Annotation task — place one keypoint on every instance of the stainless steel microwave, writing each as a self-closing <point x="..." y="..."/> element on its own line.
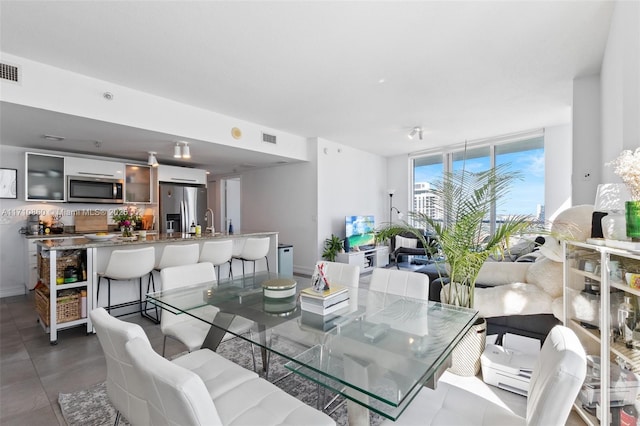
<point x="85" y="189"/>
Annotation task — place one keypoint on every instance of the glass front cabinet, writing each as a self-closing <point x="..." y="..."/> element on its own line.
<point x="44" y="177"/>
<point x="601" y="304"/>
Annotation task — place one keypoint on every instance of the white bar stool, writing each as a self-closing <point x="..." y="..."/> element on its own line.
<point x="218" y="253"/>
<point x="127" y="265"/>
<point x="254" y="249"/>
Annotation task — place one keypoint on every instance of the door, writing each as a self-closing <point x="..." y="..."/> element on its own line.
<point x="231" y="203"/>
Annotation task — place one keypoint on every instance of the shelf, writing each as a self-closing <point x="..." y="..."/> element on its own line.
<point x="586" y="274"/>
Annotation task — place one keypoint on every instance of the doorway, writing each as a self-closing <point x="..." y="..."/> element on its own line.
<point x="230" y="191"/>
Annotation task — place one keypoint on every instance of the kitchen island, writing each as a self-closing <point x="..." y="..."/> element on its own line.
<point x="93" y="256"/>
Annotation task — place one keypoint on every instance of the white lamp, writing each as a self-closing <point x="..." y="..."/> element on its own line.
<point x="152" y="161"/>
<point x="186" y="153"/>
<point x="176" y="151"/>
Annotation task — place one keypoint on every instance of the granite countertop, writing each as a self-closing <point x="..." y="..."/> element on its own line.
<point x="74" y="241"/>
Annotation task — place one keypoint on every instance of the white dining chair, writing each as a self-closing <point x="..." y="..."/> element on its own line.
<point x="187" y="329"/>
<point x="341" y="273"/>
<point x="217" y="252"/>
<point x="177" y="396"/>
<point x="555" y="382"/>
<point x="254" y="249"/>
<point x="128" y="265"/>
<point x="400" y="282"/>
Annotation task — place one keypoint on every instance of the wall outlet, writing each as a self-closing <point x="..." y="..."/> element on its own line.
<point x="586" y="176"/>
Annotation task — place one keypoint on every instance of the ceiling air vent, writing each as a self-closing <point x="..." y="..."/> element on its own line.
<point x="9" y="72"/>
<point x="269" y="138"/>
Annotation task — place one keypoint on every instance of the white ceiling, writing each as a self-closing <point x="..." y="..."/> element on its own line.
<point x="461" y="70"/>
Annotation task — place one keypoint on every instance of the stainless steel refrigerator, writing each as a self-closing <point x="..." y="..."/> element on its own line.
<point x="182" y="205"/>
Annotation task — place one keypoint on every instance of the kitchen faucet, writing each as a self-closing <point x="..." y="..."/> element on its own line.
<point x="210" y="227"/>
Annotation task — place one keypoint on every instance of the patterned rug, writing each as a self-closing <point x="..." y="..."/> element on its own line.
<point x="91" y="407"/>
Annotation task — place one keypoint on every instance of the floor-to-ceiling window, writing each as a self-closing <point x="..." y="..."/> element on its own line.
<point x="525" y="154"/>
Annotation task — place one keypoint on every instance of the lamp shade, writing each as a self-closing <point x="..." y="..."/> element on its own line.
<point x="611" y="197"/>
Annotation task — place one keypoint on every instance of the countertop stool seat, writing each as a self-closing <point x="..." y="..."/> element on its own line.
<point x="217" y="253"/>
<point x="254" y="249"/>
<point x="127" y="265"/>
<point x="175" y="255"/>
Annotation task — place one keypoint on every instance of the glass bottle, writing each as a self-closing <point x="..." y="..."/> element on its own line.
<point x="626" y="319"/>
<point x="230" y="227"/>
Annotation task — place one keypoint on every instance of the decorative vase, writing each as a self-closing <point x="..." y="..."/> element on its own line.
<point x="465" y="357"/>
<point x="127" y="231"/>
<point x="614" y="226"/>
<point x="632" y="216"/>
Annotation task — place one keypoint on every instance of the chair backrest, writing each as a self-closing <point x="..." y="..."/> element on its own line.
<point x="179" y="254"/>
<point x="342" y="273"/>
<point x="216" y="252"/>
<point x="175" y="395"/>
<point x="400" y="282"/>
<point x="556" y="379"/>
<point x="255" y="248"/>
<point x="125" y="392"/>
<point x="182" y="276"/>
<point x="127" y="264"/>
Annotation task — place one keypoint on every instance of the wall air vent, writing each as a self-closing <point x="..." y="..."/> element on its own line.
<point x="9" y="72"/>
<point x="269" y="138"/>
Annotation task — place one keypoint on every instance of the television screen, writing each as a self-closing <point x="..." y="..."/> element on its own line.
<point x="360" y="230"/>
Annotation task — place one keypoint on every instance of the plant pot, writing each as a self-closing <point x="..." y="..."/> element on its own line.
<point x="465" y="357"/>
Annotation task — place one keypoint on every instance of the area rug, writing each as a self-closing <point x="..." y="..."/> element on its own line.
<point x="91" y="407"/>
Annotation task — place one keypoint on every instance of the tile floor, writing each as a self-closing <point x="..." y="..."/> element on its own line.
<point x="33" y="372"/>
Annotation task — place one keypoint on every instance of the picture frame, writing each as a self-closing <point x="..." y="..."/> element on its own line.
<point x="8" y="183"/>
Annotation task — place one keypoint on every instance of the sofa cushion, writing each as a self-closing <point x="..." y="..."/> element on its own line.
<point x="546" y="274"/>
<point x="512" y="299"/>
<point x="499" y="273"/>
<point x="406" y="242"/>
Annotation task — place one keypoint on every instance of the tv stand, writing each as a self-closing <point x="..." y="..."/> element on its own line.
<point x="376" y="257"/>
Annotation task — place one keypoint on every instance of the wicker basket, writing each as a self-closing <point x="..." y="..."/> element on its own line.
<point x="64" y="258"/>
<point x="67" y="305"/>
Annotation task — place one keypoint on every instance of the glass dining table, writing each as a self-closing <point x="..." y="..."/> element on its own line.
<point x="377" y="352"/>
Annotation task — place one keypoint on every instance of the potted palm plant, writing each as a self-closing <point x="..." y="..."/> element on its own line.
<point x="465" y="203"/>
<point x="332" y="246"/>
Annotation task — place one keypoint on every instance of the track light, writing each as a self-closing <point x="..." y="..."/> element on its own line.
<point x="181" y="150"/>
<point x="186" y="153"/>
<point x="152" y="161"/>
<point x="415" y="131"/>
<point x="176" y="151"/>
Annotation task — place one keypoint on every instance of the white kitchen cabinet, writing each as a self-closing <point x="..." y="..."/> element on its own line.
<point x="137" y="184"/>
<point x="75" y="166"/>
<point x="593" y="292"/>
<point x="182" y="175"/>
<point x="44" y="177"/>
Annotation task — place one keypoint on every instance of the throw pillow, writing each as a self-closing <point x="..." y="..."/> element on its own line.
<point x="406" y="242"/>
<point x="546" y="274"/>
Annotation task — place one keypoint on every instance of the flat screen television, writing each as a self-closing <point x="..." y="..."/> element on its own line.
<point x="360" y="230"/>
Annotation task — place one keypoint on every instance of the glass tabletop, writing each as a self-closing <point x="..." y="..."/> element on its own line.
<point x="377" y="351"/>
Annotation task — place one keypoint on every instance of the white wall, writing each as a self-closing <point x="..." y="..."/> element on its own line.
<point x="399" y="178"/>
<point x="557" y="170"/>
<point x="350" y="182"/>
<point x="620" y="86"/>
<point x="587" y="163"/>
<point x="283" y="199"/>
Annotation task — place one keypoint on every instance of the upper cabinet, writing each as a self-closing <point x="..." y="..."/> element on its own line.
<point x="75" y="166"/>
<point x="137" y="184"/>
<point x="182" y="175"/>
<point x="44" y="180"/>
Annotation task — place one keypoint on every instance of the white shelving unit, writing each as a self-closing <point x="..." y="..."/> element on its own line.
<point x="54" y="326"/>
<point x="376" y="257"/>
<point x="609" y="348"/>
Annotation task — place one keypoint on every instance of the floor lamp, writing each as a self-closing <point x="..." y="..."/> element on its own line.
<point x="391" y="192"/>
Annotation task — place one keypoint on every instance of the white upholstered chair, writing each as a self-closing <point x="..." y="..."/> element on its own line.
<point x="176" y="396"/>
<point x="400" y="283"/>
<point x="178" y="254"/>
<point x="127" y="265"/>
<point x="124" y="391"/>
<point x="187" y="329"/>
<point x="254" y="249"/>
<point x="218" y="252"/>
<point x="556" y="380"/>
<point x="342" y="273"/>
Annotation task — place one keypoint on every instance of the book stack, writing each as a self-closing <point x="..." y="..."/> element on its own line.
<point x="324" y="302"/>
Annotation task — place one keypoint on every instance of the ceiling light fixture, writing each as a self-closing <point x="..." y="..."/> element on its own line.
<point x="415" y="131"/>
<point x="53" y="138"/>
<point x="186" y="152"/>
<point x="152" y="161"/>
<point x="181" y="150"/>
<point x="177" y="152"/>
